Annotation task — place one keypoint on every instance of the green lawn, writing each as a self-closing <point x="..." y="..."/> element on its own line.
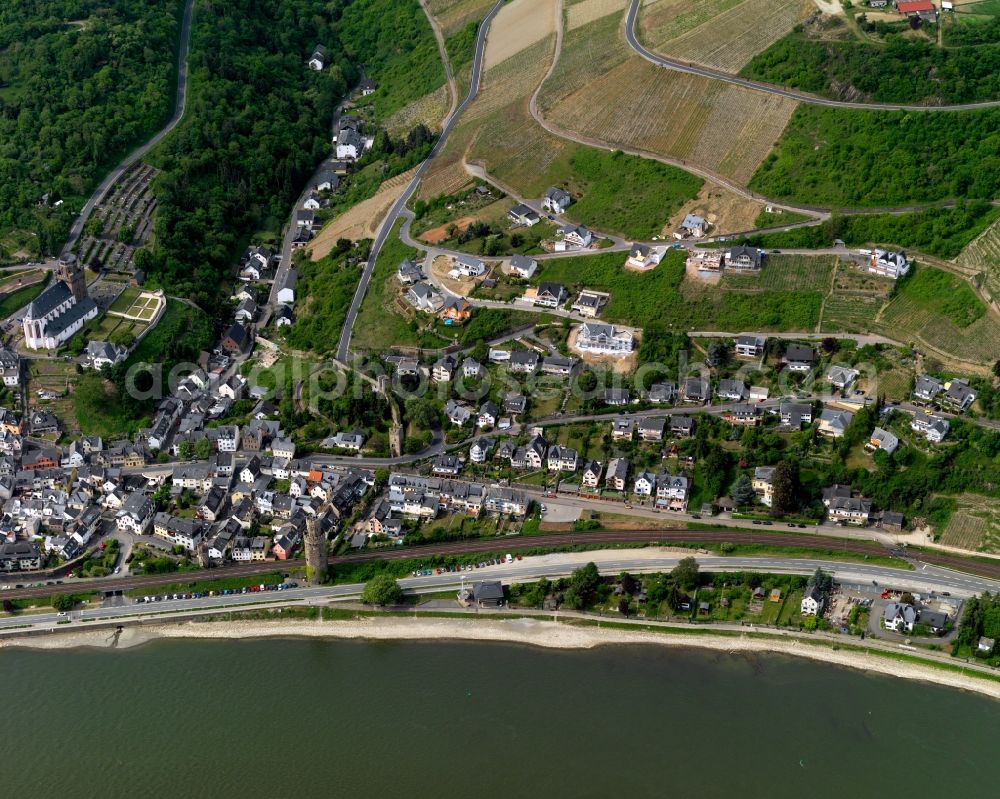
<point x="16" y="300"/>
<point x="125" y="300"/>
<point x="624" y="194"/>
<point x="656" y="296"/>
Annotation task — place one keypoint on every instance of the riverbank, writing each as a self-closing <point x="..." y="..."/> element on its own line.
<point x="533" y="632"/>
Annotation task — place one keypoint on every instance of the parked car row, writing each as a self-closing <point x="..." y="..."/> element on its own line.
<point x="466" y="568"/>
<point x="247" y="589"/>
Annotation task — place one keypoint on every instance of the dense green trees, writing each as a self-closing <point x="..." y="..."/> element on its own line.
<point x="82" y="82"/>
<point x="901" y="70"/>
<point x="381" y="590"/>
<point x="256" y="126"/>
<point x="853" y="159"/>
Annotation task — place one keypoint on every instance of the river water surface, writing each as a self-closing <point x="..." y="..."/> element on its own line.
<point x="305" y="718"/>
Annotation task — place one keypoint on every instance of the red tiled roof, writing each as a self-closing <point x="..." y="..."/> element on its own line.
<point x="915" y="5"/>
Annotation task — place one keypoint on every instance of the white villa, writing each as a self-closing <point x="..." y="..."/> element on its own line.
<point x="602" y="339"/>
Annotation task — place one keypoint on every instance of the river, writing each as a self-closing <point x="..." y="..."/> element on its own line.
<point x="307" y="718"/>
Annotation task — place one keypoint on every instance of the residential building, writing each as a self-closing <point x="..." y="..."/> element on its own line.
<point x="644" y="484"/>
<point x="480" y="450"/>
<point x="449" y="465"/>
<point x="444" y="369"/>
<point x="707" y="261"/>
<point x="524" y="361"/>
<point x="744" y="414"/>
<point x="318" y="59"/>
<point x="514" y="402"/>
<point x="136" y="513"/>
<point x="602" y="339"/>
<point x="841" y="376"/>
<point x="744" y="258"/>
<point x="750" y="346"/>
<point x="692" y="226"/>
<point x="617" y="474"/>
<point x="10" y="367"/>
<point x="888" y="264"/>
<point x="933" y="427"/>
<point x="408" y="272"/>
<point x="812" y="602"/>
<point x="616" y="396"/>
<point x="468" y="265"/>
<point x="763" y="484"/>
<point x="795" y="414"/>
<point x="424" y="297"/>
<point x="927" y="388"/>
<point x="642" y="257"/>
<point x="589" y="303"/>
<point x="622" y="428"/>
<point x="523" y="267"/>
<point x="681" y="426"/>
<point x="833" y="422"/>
<point x="695" y="390"/>
<point x="733" y="390"/>
<point x="488" y="413"/>
<point x="457" y="413"/>
<point x="562" y="459"/>
<point x="591" y="477"/>
<point x="558" y="365"/>
<point x="573" y="237"/>
<point x="850" y="510"/>
<point x="550" y="295"/>
<point x="662" y="392"/>
<point x="556" y="201"/>
<point x="883" y="440"/>
<point x="524" y="216"/>
<point x="507" y="501"/>
<point x="958" y="395"/>
<point x="672" y="491"/>
<point x="651" y="429"/>
<point x="899" y="617"/>
<point x="799" y="358"/>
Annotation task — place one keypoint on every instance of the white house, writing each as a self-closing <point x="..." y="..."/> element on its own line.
<point x="523" y="267"/>
<point x="812" y="602"/>
<point x="899" y="618"/>
<point x="286" y="294"/>
<point x="888" y="264"/>
<point x="671" y="491"/>
<point x="468" y="266"/>
<point x="602" y="339"/>
<point x="573" y="236"/>
<point x="556" y="200"/>
<point x="318" y="59"/>
<point x="644" y="485"/>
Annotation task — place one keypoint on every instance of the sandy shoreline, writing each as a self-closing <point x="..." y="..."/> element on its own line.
<point x="533" y="632"/>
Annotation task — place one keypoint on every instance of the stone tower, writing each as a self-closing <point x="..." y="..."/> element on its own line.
<point x="72" y="275"/>
<point x="316" y="553"/>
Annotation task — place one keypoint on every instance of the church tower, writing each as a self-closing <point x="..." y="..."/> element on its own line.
<point x="72" y="276"/>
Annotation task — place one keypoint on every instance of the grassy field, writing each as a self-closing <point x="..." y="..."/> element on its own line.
<point x="17" y="299"/>
<point x="787" y="273"/>
<point x="663" y="295"/>
<point x="932" y="289"/>
<point x="725" y="34"/>
<point x="125" y="300"/>
<point x="627" y="195"/>
<point x="600" y="89"/>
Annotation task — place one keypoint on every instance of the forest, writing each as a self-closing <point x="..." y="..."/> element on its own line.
<point x="843" y="158"/>
<point x="257" y="125"/>
<point x="899" y="71"/>
<point x="82" y="82"/>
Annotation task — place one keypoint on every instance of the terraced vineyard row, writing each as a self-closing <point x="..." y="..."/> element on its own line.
<point x="732" y="36"/>
<point x="586" y="11"/>
<point x="979" y="342"/>
<point x="983" y="255"/>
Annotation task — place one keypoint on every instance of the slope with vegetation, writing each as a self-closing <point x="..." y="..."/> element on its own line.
<point x="842" y="158"/>
<point x="82" y="83"/>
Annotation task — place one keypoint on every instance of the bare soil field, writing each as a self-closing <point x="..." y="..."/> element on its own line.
<point x="726" y="212"/>
<point x="518" y="25"/>
<point x="440" y="233"/>
<point x="361" y="221"/>
<point x="720" y="33"/>
<point x="581" y="13"/>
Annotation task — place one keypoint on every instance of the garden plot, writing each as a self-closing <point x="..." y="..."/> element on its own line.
<point x="726" y="35"/>
<point x="975" y="525"/>
<point x="142" y="306"/>
<point x="518" y="25"/>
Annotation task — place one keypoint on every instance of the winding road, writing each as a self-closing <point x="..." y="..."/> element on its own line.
<point x="180" y="103"/>
<point x="399" y="207"/>
<point x="689" y="68"/>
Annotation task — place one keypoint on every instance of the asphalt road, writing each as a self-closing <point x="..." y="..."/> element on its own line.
<point x="769" y="88"/>
<point x="398" y="207"/>
<point x="529" y="569"/>
<point x="180" y="104"/>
